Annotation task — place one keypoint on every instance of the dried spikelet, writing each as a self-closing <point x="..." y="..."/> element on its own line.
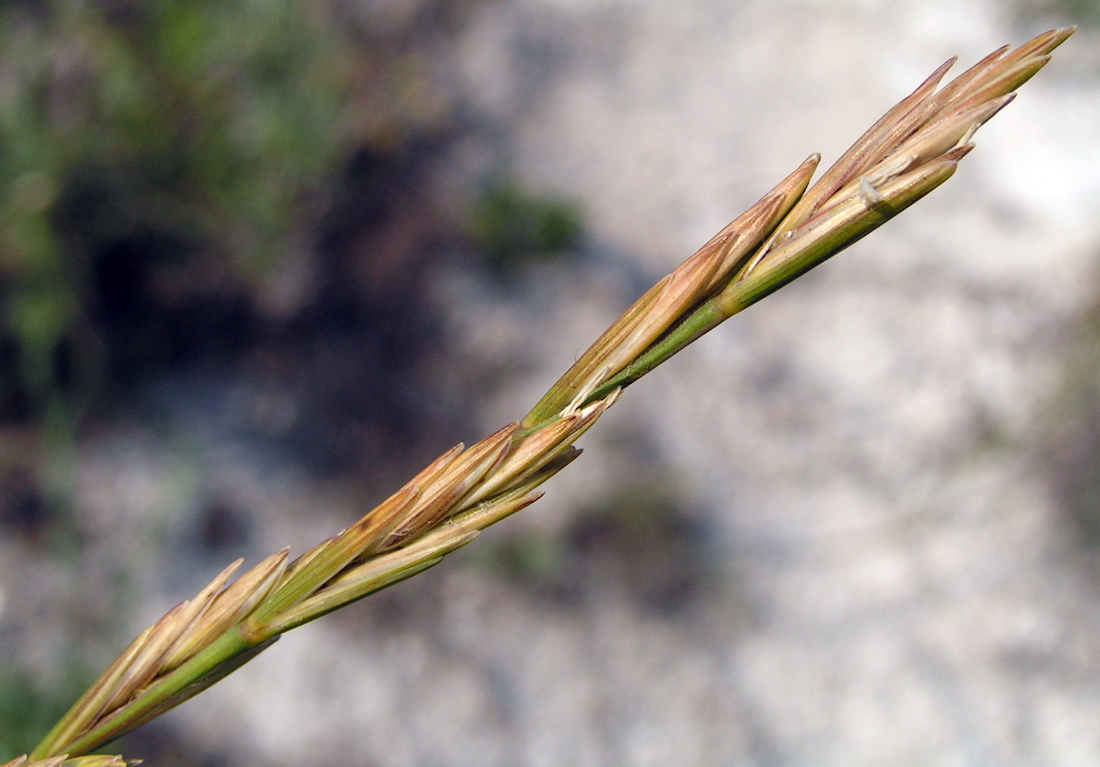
<point x="666" y="301"/>
<point x="336" y="554"/>
<point x="232" y="606"/>
<point x="941" y="135"/>
<point x="386" y="509"/>
<point x="933" y="140"/>
<point x="97" y="760"/>
<point x="362" y="580"/>
<point x="452" y="483"/>
<point x="382" y="521"/>
<point x="965" y="102"/>
<point x="788" y="191"/>
<point x="1020" y="64"/>
<point x="529" y="450"/>
<point x="147" y="662"/>
<point x="898" y="121"/>
<point x="690" y="282"/>
<point x="816" y="239"/>
<point x="542" y="455"/>
<point x="196" y="609"/>
<point x="490" y="513"/>
<point x="586" y="417"/>
<point x="435" y="469"/>
<point x="925" y="126"/>
<point x="304" y="559"/>
<point x="552" y="465"/>
<point x="384" y="570"/>
<point x="567" y="387"/>
<point x="449" y="536"/>
<point x="185" y="630"/>
<point x="912" y="149"/>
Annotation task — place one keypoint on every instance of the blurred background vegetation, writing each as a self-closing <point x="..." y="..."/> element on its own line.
<point x="192" y="181"/>
<point x="1084" y="12"/>
<point x="239" y="185"/>
<point x="160" y="165"/>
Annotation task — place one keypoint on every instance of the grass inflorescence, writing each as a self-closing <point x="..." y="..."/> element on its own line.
<point x="910" y="151"/>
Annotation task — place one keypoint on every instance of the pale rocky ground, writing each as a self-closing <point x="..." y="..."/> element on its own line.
<point x="891" y="579"/>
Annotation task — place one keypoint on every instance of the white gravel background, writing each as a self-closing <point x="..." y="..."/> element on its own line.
<point x="896" y="582"/>
<point x="900" y="586"/>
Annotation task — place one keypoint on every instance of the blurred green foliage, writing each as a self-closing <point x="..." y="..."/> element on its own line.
<point x="641" y="542"/>
<point x="511" y="226"/>
<point x="1071" y="448"/>
<point x="1081" y="11"/>
<point x="27" y="710"/>
<point x="202" y="133"/>
<point x="1085" y="12"/>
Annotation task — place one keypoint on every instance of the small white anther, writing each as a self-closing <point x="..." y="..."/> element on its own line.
<point x="583" y="393"/>
<point x="867" y="191"/>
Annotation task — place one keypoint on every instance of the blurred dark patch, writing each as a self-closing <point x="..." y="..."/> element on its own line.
<point x="222" y="526"/>
<point x="169" y="168"/>
<point x="1071" y="451"/>
<point x="159" y="743"/>
<point x="356" y="350"/>
<point x="415" y="604"/>
<point x="15" y="405"/>
<point x="153" y="297"/>
<point x="240" y="190"/>
<point x="25" y="509"/>
<point x="373" y="235"/>
<point x="642" y="543"/>
<point x="1078" y="481"/>
<point x="513" y="227"/>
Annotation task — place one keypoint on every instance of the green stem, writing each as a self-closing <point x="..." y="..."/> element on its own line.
<point x="708" y="316"/>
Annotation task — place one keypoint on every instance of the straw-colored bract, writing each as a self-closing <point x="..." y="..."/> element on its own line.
<point x="98" y="760"/>
<point x="910" y="151"/>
